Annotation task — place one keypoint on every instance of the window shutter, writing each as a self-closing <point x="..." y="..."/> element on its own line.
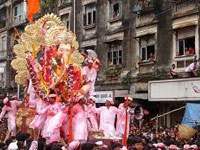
<point x="94" y="16"/>
<point x="111" y="12"/>
<point x="143" y="53"/>
<point x="120" y="10"/>
<point x="84" y="19"/>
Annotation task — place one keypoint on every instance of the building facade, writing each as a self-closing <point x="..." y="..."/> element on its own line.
<point x="137" y="41"/>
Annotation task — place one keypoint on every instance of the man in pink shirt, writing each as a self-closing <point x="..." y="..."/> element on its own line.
<point x="90" y="75"/>
<point x="10" y="108"/>
<point x="92" y="116"/>
<point x="191" y="70"/>
<point x="121" y="117"/>
<point x="54" y="120"/>
<point x="80" y="129"/>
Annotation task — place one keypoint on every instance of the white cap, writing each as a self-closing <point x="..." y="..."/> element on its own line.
<point x="186" y="146"/>
<point x="74" y="145"/>
<point x="92" y="98"/>
<point x="13" y="146"/>
<point x="129" y="98"/>
<point x="99" y="143"/>
<point x="5" y="101"/>
<point x="90" y="61"/>
<point x="110" y="100"/>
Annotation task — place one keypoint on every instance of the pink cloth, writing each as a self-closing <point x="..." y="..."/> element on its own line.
<point x="190" y="68"/>
<point x="92" y="124"/>
<point x="11" y="113"/>
<point x="53" y="123"/>
<point x="65" y="123"/>
<point x="39" y="119"/>
<point x="107" y="120"/>
<point x="80" y="130"/>
<point x="32" y="95"/>
<point x="91" y="75"/>
<point x="121" y="119"/>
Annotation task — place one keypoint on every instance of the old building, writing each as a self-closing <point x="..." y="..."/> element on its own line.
<point x="167" y="34"/>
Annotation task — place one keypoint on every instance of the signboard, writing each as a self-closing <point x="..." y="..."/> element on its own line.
<point x="187" y="89"/>
<point x="102" y="95"/>
<point x="120" y="93"/>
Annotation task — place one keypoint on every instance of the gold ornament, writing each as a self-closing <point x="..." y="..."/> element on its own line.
<point x="76" y="58"/>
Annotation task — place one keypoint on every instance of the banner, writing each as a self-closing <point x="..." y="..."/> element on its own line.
<point x="192" y="115"/>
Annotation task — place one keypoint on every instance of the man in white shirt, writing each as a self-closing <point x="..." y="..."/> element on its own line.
<point x="107" y="118"/>
<point x="191" y="70"/>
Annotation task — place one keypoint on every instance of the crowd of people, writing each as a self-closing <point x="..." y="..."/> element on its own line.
<point x="146" y="138"/>
<point x="143" y="137"/>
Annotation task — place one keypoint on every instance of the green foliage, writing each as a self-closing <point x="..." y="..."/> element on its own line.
<point x="126" y="79"/>
<point x="112" y="70"/>
<point x="46" y="6"/>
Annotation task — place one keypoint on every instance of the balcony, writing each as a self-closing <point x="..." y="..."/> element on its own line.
<point x="18" y="20"/>
<point x="186" y="89"/>
<point x="182" y="6"/>
<point x="64" y="3"/>
<point x="144" y="7"/>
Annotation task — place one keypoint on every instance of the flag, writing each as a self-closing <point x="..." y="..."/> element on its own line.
<point x="191" y="115"/>
<point x="33" y="8"/>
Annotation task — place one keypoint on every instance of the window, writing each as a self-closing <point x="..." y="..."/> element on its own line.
<point x="115" y="10"/>
<point x="115" y="54"/>
<point x="66" y="20"/>
<point x="2" y="18"/>
<point x="19" y="14"/>
<point x="89" y="16"/>
<point x="3" y="43"/>
<point x="148" y="52"/>
<point x="186" y="41"/>
<point x="186" y="46"/>
<point x="3" y="46"/>
<point x="1" y="76"/>
<point x="147" y="48"/>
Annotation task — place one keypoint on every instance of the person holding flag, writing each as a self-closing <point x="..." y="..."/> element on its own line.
<point x="121" y="117"/>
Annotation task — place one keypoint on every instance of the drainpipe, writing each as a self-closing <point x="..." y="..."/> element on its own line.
<point x="74" y="16"/>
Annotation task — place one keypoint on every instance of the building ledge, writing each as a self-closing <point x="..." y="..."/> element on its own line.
<point x="88" y="27"/>
<point x="177" y="15"/>
<point x="147" y="62"/>
<point x="112" y="21"/>
<point x="65" y="5"/>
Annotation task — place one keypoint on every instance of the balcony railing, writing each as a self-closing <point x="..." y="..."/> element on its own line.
<point x="63" y="2"/>
<point x="19" y="20"/>
<point x="181" y="4"/>
<point x="144" y="6"/>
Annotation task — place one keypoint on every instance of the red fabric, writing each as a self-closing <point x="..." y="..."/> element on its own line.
<point x="33" y="8"/>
